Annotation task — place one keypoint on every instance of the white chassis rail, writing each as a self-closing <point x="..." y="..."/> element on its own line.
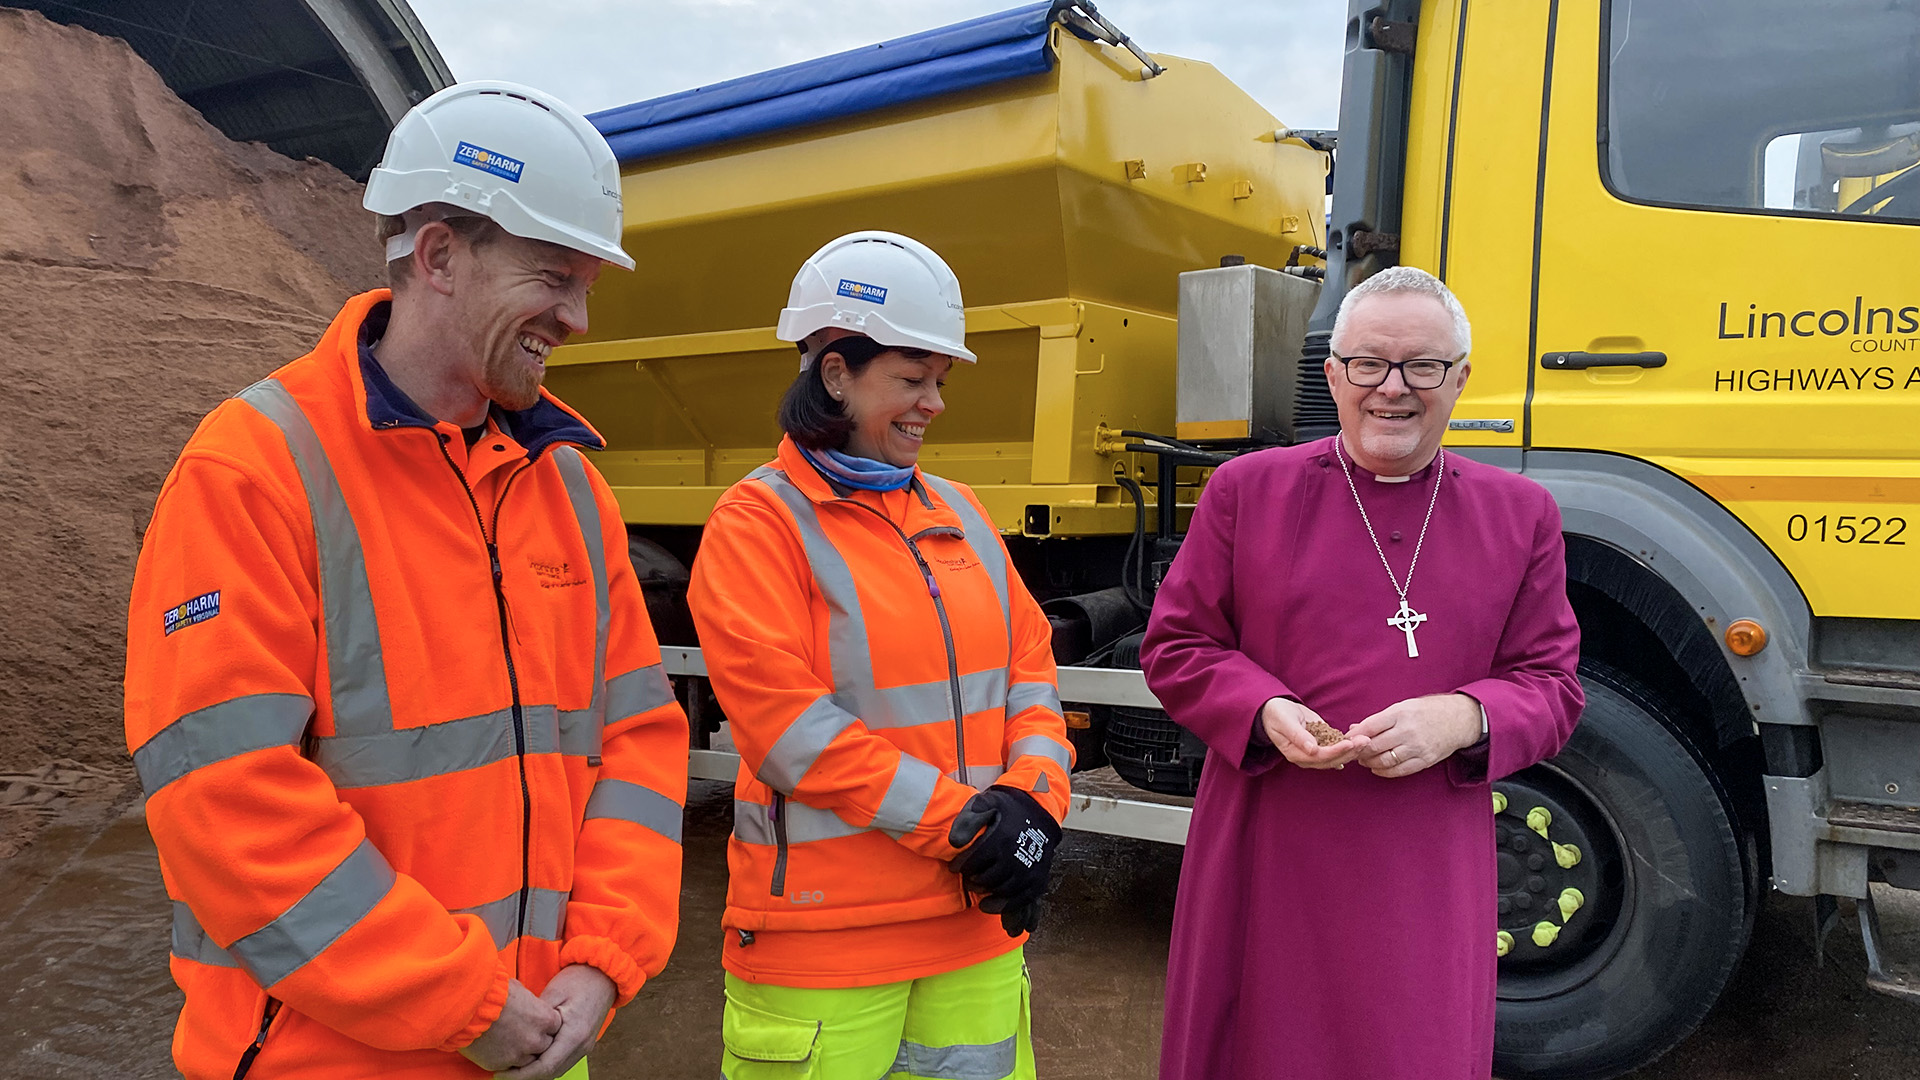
<point x="1115" y="816"/>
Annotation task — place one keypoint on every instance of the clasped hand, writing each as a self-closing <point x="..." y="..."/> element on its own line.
<point x="1399" y="740"/>
<point x="539" y="1038"/>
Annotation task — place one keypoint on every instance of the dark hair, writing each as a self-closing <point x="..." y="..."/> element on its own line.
<point x="810" y="414"/>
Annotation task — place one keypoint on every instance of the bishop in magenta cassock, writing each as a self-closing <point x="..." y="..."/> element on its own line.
<point x="1336" y="913"/>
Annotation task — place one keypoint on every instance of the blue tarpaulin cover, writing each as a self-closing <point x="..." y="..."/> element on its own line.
<point x="965" y="55"/>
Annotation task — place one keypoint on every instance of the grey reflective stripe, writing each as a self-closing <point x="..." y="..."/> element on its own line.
<point x="498" y="915"/>
<point x="577" y="731"/>
<point x="805" y="824"/>
<point x="800" y="745"/>
<point x="237" y="726"/>
<point x="190" y="942"/>
<point x="573" y="473"/>
<point x="640" y="690"/>
<point x="846" y="627"/>
<point x="982" y="539"/>
<point x="397" y="756"/>
<point x="355" y="666"/>
<point x="905" y="803"/>
<point x="980" y="776"/>
<point x="988" y="1061"/>
<point x="925" y="703"/>
<point x="623" y="801"/>
<point x="546" y="915"/>
<point x="316" y="920"/>
<point x="1041" y="747"/>
<point x="1025" y="695"/>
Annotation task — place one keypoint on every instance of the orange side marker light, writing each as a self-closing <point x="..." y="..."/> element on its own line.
<point x="1746" y="637"/>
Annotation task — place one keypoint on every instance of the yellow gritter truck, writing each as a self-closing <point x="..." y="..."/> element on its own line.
<point x="1686" y="233"/>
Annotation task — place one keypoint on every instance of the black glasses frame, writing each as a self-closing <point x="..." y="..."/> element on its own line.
<point x="1446" y="368"/>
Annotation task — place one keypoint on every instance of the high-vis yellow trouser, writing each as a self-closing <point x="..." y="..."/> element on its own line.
<point x="970" y="1024"/>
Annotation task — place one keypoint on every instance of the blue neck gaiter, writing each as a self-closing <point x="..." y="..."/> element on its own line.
<point x="864" y="474"/>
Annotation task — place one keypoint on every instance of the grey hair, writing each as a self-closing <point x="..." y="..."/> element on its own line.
<point x="1405" y="279"/>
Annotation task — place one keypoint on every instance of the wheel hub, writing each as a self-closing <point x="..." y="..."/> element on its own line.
<point x="1560" y="888"/>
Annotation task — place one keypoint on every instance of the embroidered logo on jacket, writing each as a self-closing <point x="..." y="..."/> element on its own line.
<point x="197" y="610"/>
<point x="555" y="575"/>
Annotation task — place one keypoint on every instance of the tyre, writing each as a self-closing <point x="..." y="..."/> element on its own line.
<point x="663" y="582"/>
<point x="1144" y="746"/>
<point x="1664" y="885"/>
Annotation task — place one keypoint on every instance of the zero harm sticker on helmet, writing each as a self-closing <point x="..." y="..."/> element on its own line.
<point x="860" y="290"/>
<point x="492" y="161"/>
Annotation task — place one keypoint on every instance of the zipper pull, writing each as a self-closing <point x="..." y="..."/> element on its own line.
<point x="933" y="587"/>
<point x="493" y="554"/>
<point x="259" y="1041"/>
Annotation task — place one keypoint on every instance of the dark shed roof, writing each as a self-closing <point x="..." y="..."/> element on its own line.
<point x="310" y="78"/>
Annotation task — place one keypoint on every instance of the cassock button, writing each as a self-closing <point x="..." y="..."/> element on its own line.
<point x="1396" y="534"/>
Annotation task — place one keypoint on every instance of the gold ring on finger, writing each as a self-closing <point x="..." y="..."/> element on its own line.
<point x="1392" y="758"/>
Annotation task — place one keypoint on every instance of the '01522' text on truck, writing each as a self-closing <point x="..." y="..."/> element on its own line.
<point x="1686" y="234"/>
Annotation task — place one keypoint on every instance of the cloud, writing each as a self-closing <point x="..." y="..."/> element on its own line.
<point x="597" y="54"/>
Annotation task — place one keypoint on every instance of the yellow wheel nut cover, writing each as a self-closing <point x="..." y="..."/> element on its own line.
<point x="1566" y="855"/>
<point x="1538" y="819"/>
<point x="1499" y="803"/>
<point x="1504" y="943"/>
<point x="1570" y="901"/>
<point x="1544" y="933"/>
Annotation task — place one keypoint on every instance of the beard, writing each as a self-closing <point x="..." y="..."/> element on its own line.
<point x="509" y="382"/>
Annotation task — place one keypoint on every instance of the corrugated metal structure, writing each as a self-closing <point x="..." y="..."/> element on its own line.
<point x="310" y="78"/>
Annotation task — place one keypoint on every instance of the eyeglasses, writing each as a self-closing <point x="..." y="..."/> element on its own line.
<point x="1371" y="371"/>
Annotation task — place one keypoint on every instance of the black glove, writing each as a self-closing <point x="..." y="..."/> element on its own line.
<point x="1018" y="918"/>
<point x="1010" y="840"/>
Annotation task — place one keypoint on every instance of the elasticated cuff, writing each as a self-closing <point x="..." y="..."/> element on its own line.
<point x="602" y="953"/>
<point x="489" y="1011"/>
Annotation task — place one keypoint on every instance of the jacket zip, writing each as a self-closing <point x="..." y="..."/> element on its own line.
<point x="946" y="631"/>
<point x="779" y="812"/>
<point x="953" y="657"/>
<point x="513" y="679"/>
<point x="260" y="1040"/>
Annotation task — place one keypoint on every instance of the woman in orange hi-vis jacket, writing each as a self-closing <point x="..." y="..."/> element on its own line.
<point x="890" y="686"/>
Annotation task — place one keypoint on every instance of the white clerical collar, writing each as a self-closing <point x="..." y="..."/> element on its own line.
<point x="1378" y="479"/>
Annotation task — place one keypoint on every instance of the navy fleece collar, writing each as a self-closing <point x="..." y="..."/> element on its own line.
<point x="388" y="407"/>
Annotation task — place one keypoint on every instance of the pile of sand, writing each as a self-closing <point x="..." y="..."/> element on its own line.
<point x="148" y="268"/>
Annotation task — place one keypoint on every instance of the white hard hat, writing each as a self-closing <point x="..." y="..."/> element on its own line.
<point x="885" y="286"/>
<point x="507" y="152"/>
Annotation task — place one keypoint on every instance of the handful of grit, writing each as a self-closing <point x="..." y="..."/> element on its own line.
<point x="1324" y="733"/>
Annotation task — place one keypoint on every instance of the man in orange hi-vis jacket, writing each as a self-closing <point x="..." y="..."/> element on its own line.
<point x="890" y="685"/>
<point x="412" y="765"/>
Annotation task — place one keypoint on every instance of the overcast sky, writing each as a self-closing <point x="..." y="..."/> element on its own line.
<point x="600" y="53"/>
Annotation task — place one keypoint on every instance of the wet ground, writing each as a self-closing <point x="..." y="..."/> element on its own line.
<point x="84" y="991"/>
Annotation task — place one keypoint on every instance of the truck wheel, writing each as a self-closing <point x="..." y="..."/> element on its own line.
<point x="1625" y="897"/>
<point x="663" y="582"/>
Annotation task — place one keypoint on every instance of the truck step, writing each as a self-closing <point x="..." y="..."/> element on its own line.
<point x="1860" y="815"/>
<point x="1890" y="929"/>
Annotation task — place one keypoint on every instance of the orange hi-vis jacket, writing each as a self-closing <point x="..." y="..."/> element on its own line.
<point x="401" y="721"/>
<point x="878" y="661"/>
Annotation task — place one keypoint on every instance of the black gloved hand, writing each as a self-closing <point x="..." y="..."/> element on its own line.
<point x="1010" y="840"/>
<point x="1018" y="918"/>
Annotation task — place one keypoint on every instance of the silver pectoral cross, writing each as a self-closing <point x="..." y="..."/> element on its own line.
<point x="1407" y="620"/>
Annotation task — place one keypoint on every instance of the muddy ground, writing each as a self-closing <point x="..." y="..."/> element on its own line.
<point x="84" y="991"/>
